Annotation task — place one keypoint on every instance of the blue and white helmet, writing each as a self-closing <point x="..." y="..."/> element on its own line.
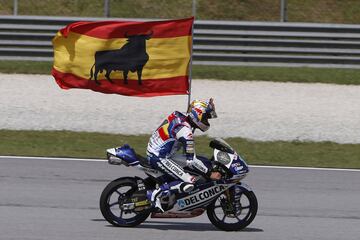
<point x="200" y="111"/>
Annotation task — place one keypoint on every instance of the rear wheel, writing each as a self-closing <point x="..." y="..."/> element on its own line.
<point x="228" y="214"/>
<point x="114" y="199"/>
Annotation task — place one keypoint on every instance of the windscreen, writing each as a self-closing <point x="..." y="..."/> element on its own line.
<point x="221" y="145"/>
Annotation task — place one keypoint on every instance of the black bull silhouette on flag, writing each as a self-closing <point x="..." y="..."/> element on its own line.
<point x="132" y="56"/>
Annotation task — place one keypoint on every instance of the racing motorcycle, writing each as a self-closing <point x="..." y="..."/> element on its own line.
<point x="230" y="204"/>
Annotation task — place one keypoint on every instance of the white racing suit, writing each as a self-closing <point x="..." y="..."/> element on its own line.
<point x="175" y="132"/>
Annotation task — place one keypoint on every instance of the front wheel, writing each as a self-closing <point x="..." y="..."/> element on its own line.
<point x="113" y="199"/>
<point x="233" y="212"/>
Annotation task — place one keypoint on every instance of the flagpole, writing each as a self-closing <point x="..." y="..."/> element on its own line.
<point x="191" y="52"/>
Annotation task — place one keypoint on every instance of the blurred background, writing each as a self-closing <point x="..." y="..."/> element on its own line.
<point x="287" y="41"/>
<point x="320" y="11"/>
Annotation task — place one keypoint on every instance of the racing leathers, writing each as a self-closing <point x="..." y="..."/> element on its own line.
<point x="173" y="134"/>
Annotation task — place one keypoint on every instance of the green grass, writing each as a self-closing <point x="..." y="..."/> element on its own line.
<point x="275" y="74"/>
<point x="93" y="145"/>
<point x="278" y="74"/>
<point x="327" y="11"/>
<point x="331" y="11"/>
<point x="27" y="67"/>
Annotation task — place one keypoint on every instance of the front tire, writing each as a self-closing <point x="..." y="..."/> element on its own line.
<point x="222" y="215"/>
<point x="112" y="198"/>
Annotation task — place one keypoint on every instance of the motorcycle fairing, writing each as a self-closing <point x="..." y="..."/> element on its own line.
<point x="201" y="197"/>
<point x="125" y="153"/>
<point x="238" y="167"/>
<point x="236" y="164"/>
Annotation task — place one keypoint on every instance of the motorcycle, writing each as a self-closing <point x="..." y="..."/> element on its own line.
<point x="230" y="204"/>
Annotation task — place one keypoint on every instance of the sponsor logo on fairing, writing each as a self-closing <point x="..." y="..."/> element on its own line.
<point x="237" y="166"/>
<point x="201" y="196"/>
<point x="181" y="203"/>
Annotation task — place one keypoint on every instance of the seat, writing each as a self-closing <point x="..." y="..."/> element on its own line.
<point x="143" y="161"/>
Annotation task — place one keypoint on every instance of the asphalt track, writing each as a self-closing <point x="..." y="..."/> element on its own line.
<point x="58" y="199"/>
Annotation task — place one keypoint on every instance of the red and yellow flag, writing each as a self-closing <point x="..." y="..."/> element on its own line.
<point x="124" y="57"/>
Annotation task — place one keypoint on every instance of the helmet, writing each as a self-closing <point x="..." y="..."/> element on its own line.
<point x="200" y="111"/>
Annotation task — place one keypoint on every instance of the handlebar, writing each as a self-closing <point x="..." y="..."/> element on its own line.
<point x="219" y="167"/>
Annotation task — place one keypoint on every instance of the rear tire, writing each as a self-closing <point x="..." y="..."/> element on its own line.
<point x="111" y="201"/>
<point x="240" y="221"/>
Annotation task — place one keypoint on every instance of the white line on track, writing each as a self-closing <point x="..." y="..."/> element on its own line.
<point x="103" y="160"/>
<point x="54" y="158"/>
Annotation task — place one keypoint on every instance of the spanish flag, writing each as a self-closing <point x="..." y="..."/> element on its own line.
<point x="125" y="57"/>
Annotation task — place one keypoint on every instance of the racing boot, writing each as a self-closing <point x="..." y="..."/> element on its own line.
<point x="182" y="187"/>
<point x="155" y="197"/>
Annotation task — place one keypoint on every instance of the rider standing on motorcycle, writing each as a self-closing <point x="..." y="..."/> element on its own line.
<point x="176" y="131"/>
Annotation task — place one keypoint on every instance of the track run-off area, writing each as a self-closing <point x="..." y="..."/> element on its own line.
<point x="55" y="198"/>
<point x="258" y="110"/>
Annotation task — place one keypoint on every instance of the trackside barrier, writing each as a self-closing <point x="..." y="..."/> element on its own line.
<point x="215" y="42"/>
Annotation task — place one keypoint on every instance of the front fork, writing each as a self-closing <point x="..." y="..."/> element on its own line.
<point x="231" y="204"/>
